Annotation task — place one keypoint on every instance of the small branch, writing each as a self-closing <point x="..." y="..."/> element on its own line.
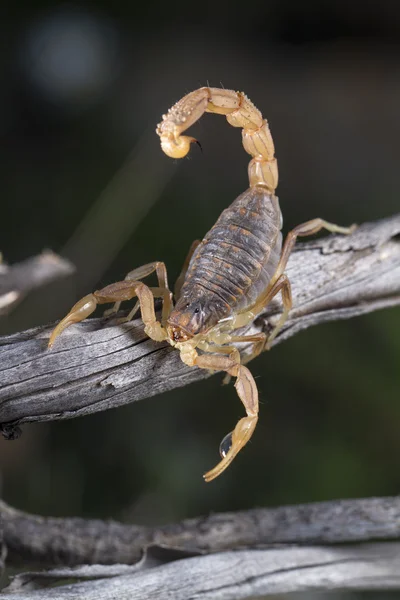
<point x="98" y="365"/>
<point x="19" y="279"/>
<point x="230" y="555"/>
<point x="241" y="575"/>
<point x="50" y="541"/>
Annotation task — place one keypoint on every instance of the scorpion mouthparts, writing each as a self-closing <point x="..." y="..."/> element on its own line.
<point x="177" y="334"/>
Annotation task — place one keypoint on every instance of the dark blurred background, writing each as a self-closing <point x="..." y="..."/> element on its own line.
<point x="83" y="86"/>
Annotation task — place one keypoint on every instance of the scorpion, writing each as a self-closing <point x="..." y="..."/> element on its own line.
<point x="229" y="277"/>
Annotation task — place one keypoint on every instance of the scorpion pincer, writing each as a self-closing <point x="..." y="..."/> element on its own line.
<point x="229" y="276"/>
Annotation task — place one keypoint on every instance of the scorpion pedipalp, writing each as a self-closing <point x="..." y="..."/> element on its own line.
<point x="225" y="445"/>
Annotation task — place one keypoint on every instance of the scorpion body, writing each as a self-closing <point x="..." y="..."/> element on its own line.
<point x="234" y="262"/>
<point x="228" y="277"/>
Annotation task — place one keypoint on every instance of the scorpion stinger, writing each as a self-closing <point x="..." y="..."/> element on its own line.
<point x="228" y="277"/>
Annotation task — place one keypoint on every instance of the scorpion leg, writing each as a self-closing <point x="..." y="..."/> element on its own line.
<point x="281" y="283"/>
<point x="141" y="273"/>
<point x="258" y="340"/>
<point x="248" y="394"/>
<point x="179" y="282"/>
<point x="118" y="292"/>
<point x="307" y="228"/>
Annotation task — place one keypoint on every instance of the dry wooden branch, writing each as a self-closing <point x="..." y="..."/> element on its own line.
<point x="50" y="541"/>
<point x="19" y="279"/>
<point x="242" y="574"/>
<point x="97" y="365"/>
<point x="241" y="565"/>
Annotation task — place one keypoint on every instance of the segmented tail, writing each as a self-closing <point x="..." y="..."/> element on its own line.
<point x="240" y="112"/>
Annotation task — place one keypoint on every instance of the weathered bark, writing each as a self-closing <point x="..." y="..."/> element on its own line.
<point x="98" y="365"/>
<point x="237" y="575"/>
<point x="227" y="556"/>
<point x="50" y="541"/>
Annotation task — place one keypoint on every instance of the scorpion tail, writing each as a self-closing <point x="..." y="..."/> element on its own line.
<point x="240" y="112"/>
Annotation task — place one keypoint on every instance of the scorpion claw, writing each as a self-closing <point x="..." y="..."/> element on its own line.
<point x="231" y="445"/>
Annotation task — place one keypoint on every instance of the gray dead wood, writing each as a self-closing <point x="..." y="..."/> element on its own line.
<point x="98" y="365"/>
<point x="244" y="554"/>
<point x="19" y="279"/>
<point x="50" y="541"/>
<point x="242" y="574"/>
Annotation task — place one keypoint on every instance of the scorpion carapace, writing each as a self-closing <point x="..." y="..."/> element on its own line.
<point x="229" y="276"/>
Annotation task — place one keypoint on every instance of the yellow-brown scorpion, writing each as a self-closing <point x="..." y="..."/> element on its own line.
<point x="229" y="276"/>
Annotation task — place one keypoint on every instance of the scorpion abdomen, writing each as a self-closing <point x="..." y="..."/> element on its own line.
<point x="238" y="256"/>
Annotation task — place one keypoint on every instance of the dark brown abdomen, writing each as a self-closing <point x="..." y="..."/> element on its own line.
<point x="237" y="258"/>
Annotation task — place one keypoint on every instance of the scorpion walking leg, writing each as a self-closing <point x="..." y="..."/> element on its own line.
<point x="248" y="394"/>
<point x="307" y="228"/>
<point x="141" y="273"/>
<point x="118" y="292"/>
<point x="281" y="283"/>
<point x="258" y="340"/>
<point x="182" y="275"/>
